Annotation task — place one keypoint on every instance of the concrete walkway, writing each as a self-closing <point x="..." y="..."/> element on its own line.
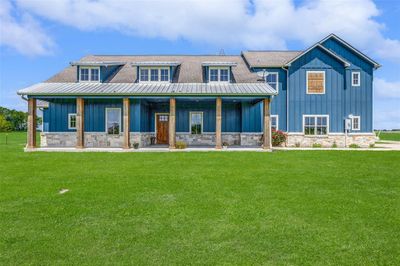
<point x="150" y="149"/>
<point x="381" y="146"/>
<point x="388" y="144"/>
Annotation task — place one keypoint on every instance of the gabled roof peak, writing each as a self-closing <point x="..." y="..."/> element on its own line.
<point x="346" y="44"/>
<point x="318" y="44"/>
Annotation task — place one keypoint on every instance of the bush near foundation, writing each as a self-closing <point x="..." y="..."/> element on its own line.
<point x="278" y="137"/>
<point x="181" y="145"/>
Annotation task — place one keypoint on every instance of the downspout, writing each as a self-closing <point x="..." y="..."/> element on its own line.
<point x="287" y="98"/>
<point x="24" y="98"/>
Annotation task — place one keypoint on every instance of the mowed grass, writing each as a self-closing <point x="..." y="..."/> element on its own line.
<point x="280" y="208"/>
<point x="390" y="136"/>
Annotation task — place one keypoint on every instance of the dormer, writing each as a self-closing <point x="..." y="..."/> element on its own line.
<point x="155" y="71"/>
<point x="95" y="71"/>
<point x="218" y="72"/>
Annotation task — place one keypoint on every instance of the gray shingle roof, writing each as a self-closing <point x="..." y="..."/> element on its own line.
<point x="269" y="58"/>
<point x="149" y="89"/>
<point x="189" y="71"/>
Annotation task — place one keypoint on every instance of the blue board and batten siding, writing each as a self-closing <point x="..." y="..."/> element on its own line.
<point x="142" y="115"/>
<point x="279" y="102"/>
<point x="330" y="103"/>
<point x="358" y="100"/>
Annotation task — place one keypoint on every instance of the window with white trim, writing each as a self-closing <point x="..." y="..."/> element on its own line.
<point x="196" y="122"/>
<point x="154" y="74"/>
<point x="315" y="82"/>
<point x="355" y="123"/>
<point x="272" y="79"/>
<point x="315" y="124"/>
<point x="355" y="79"/>
<point x="71" y="121"/>
<point x="89" y="74"/>
<point x="113" y="121"/>
<point x="274" y="122"/>
<point x="219" y="74"/>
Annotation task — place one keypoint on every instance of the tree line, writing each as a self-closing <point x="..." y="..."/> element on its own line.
<point x="13" y="120"/>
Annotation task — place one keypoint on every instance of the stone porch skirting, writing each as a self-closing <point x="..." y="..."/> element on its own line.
<point x="103" y="140"/>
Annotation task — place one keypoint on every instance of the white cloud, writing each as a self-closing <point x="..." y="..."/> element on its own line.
<point x="24" y="35"/>
<point x="386" y="119"/>
<point x="387" y="89"/>
<point x="387" y="104"/>
<point x="260" y="24"/>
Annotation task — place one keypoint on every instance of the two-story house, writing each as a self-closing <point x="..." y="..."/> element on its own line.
<point x="119" y="100"/>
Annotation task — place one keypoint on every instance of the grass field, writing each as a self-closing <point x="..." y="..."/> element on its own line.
<point x="389" y="136"/>
<point x="291" y="208"/>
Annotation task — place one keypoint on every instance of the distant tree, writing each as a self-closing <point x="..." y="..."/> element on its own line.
<point x="16" y="120"/>
<point x="5" y="125"/>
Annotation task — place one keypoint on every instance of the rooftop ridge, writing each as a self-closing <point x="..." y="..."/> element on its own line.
<point x="226" y="55"/>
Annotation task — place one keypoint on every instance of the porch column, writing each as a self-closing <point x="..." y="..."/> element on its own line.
<point x="80" y="123"/>
<point x="218" y="119"/>
<point x="31" y="123"/>
<point x="267" y="125"/>
<point x="172" y="109"/>
<point x="127" y="144"/>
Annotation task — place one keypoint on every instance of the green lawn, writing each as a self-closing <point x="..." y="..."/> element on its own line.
<point x="280" y="208"/>
<point x="389" y="136"/>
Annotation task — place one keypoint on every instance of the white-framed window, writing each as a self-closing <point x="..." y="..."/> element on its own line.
<point x="154" y="74"/>
<point x="113" y="121"/>
<point x="196" y="122"/>
<point x="355" y="123"/>
<point x="315" y="124"/>
<point x="272" y="79"/>
<point x="315" y="82"/>
<point x="219" y="74"/>
<point x="355" y="79"/>
<point x="89" y="74"/>
<point x="274" y="122"/>
<point x="71" y="121"/>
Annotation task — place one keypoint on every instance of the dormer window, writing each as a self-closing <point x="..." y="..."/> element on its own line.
<point x="89" y="74"/>
<point x="219" y="74"/>
<point x="154" y="74"/>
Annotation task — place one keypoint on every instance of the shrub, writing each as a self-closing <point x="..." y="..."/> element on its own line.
<point x="278" y="137"/>
<point x="297" y="144"/>
<point x="135" y="145"/>
<point x="225" y="144"/>
<point x="317" y="145"/>
<point x="354" y="146"/>
<point x="372" y="145"/>
<point x="181" y="145"/>
<point x="334" y="145"/>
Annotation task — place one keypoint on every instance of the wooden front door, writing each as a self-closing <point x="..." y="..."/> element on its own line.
<point x="162" y="121"/>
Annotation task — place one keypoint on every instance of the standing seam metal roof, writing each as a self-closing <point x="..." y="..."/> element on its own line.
<point x="149" y="89"/>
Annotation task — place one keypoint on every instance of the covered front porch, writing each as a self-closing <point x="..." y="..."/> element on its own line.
<point x="152" y="123"/>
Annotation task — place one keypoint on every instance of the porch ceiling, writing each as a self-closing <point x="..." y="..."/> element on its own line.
<point x="149" y="89"/>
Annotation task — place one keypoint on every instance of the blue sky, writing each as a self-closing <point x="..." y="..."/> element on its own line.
<point x="38" y="38"/>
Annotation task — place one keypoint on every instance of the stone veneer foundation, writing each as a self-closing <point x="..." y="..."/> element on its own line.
<point x="100" y="139"/>
<point x="362" y="140"/>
